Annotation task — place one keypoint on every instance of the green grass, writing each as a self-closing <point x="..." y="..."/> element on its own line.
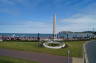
<point x="75" y="48"/>
<point x="5" y="59"/>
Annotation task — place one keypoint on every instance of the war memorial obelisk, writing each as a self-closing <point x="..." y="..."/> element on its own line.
<point x="46" y="44"/>
<point x="54" y="27"/>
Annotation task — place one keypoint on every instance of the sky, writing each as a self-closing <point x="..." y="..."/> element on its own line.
<point x="33" y="16"/>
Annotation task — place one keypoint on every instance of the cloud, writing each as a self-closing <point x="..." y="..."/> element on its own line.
<point x="15" y="7"/>
<point x="6" y="2"/>
<point x="10" y="7"/>
<point x="79" y="23"/>
<point x="84" y="20"/>
<point x="28" y="27"/>
<point x="25" y="3"/>
<point x="8" y="11"/>
<point x="11" y="2"/>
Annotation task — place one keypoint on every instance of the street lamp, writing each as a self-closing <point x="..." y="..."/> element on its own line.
<point x="68" y="56"/>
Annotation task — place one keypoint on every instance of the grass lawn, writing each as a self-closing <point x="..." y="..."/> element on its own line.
<point x="75" y="48"/>
<point x="5" y="59"/>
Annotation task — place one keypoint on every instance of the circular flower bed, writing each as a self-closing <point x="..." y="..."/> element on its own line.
<point x="54" y="45"/>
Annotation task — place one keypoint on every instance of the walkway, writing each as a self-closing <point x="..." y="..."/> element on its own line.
<point x="40" y="57"/>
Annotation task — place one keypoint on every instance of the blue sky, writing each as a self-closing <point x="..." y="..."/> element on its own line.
<point x="33" y="16"/>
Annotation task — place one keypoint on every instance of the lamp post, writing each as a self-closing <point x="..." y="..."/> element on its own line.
<point x="38" y="37"/>
<point x="67" y="36"/>
<point x="68" y="52"/>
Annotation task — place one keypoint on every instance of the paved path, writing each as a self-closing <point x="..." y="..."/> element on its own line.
<point x="77" y="60"/>
<point x="40" y="57"/>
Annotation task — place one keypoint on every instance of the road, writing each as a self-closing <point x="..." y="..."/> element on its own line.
<point x="90" y="48"/>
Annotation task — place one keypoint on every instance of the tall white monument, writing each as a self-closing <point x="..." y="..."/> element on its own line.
<point x="60" y="44"/>
<point x="54" y="27"/>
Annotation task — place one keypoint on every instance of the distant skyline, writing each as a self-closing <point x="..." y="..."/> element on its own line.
<point x="33" y="16"/>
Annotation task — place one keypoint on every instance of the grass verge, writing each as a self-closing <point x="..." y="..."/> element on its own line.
<point x="75" y="48"/>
